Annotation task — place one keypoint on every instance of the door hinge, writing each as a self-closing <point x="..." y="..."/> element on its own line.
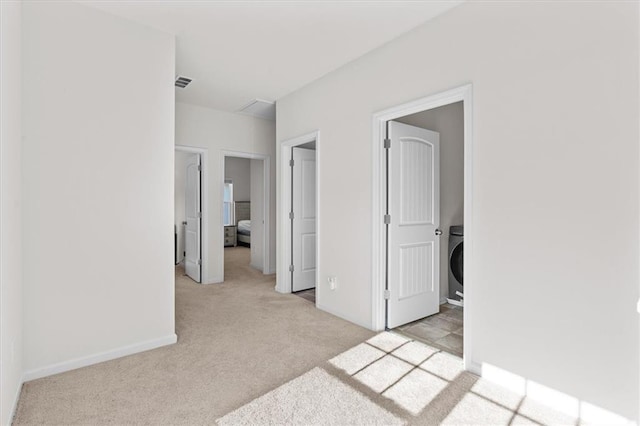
<point x="291" y="163"/>
<point x="387" y="219"/>
<point x="291" y="215"/>
<point x="199" y="167"/>
<point x="291" y="268"/>
<point x="387" y="143"/>
<point x="199" y="215"/>
<point x="199" y="261"/>
<point x="387" y="295"/>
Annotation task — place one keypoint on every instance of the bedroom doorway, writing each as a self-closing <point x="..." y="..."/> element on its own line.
<point x="245" y="211"/>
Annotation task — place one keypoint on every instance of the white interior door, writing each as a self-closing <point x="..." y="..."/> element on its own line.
<point x="193" y="214"/>
<point x="304" y="219"/>
<point x="257" y="214"/>
<point x="414" y="207"/>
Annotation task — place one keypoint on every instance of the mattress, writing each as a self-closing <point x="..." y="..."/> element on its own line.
<point x="244" y="227"/>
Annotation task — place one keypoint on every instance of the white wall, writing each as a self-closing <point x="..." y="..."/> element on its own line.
<point x="257" y="216"/>
<point x="447" y="120"/>
<point x="555" y="182"/>
<point x="222" y="131"/>
<point x="10" y="219"/>
<point x="180" y="186"/>
<point x="98" y="115"/>
<point x="239" y="171"/>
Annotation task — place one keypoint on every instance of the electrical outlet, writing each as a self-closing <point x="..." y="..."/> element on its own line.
<point x="333" y="282"/>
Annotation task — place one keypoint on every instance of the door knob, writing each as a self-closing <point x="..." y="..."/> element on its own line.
<point x="438" y="232"/>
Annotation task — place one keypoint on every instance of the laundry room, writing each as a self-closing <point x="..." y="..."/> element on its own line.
<point x="445" y="328"/>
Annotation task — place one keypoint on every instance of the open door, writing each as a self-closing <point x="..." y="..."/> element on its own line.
<point x="193" y="215"/>
<point x="414" y="216"/>
<point x="303" y="219"/>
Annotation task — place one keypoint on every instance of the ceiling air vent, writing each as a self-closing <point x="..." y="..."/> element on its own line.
<point x="182" y="82"/>
<point x="260" y="108"/>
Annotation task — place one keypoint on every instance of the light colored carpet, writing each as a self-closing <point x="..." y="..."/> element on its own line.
<point x="248" y="355"/>
<point x="392" y="380"/>
<point x="236" y="342"/>
<point x="315" y="398"/>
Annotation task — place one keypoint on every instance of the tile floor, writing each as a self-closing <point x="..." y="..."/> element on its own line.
<point x="443" y="330"/>
<point x="309" y="295"/>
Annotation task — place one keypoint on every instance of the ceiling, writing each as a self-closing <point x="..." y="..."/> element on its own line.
<point x="236" y="51"/>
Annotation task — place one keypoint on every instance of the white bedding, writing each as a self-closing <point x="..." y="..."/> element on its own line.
<point x="244" y="227"/>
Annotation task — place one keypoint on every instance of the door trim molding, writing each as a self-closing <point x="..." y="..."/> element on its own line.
<point x="283" y="277"/>
<point x="378" y="243"/>
<point x="266" y="171"/>
<point x="204" y="207"/>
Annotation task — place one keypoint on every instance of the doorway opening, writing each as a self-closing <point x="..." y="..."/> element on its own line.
<point x="299" y="217"/>
<point x="245" y="213"/>
<point x="422" y="214"/>
<point x="190" y="218"/>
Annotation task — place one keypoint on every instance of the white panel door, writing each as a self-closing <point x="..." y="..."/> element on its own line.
<point x="414" y="207"/>
<point x="304" y="219"/>
<point x="257" y="214"/>
<point x="192" y="262"/>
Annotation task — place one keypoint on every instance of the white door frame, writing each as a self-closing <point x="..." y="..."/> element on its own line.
<point x="204" y="203"/>
<point x="265" y="205"/>
<point x="378" y="253"/>
<point x="283" y="276"/>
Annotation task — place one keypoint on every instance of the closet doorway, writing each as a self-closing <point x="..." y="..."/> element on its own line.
<point x="245" y="212"/>
<point x="299" y="217"/>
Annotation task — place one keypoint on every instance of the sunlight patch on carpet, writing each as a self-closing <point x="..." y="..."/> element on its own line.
<point x="475" y="410"/>
<point x="356" y="358"/>
<point x="444" y="365"/>
<point x="315" y="398"/>
<point x="415" y="391"/>
<point x="387" y="341"/>
<point x="383" y="373"/>
<point x="414" y="352"/>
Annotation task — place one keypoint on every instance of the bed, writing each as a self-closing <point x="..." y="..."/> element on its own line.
<point x="243" y="222"/>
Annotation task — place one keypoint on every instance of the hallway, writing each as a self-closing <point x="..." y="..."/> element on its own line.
<point x="236" y="341"/>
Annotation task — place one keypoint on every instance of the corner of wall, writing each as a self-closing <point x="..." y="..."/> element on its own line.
<point x="11" y="299"/>
<point x="66" y="121"/>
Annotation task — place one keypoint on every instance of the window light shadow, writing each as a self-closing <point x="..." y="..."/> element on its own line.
<point x="417" y="377"/>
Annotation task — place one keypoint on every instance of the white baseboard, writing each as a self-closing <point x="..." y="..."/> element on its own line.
<point x="552" y="398"/>
<point x="281" y="290"/>
<point x="73" y="364"/>
<point x="14" y="405"/>
<point x="345" y="317"/>
<point x="214" y="280"/>
<point x="257" y="268"/>
<point x="474" y="367"/>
